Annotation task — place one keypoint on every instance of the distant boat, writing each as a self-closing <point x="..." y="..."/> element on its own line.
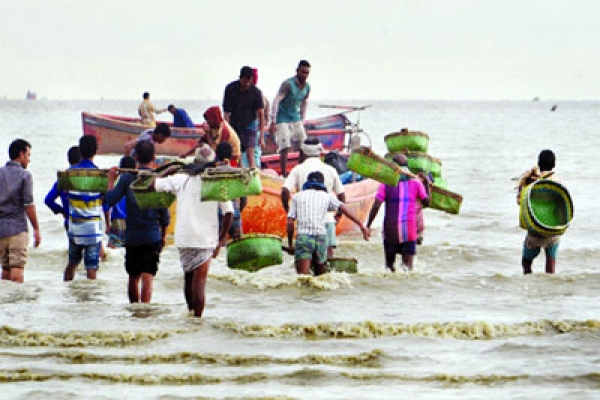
<point x="554" y="107"/>
<point x="536" y="99"/>
<point x="31" y="95"/>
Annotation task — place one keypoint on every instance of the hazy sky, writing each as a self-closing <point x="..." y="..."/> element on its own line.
<point x="396" y="49"/>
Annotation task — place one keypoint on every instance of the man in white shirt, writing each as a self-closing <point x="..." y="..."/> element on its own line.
<point x="310" y="152"/>
<point x="197" y="235"/>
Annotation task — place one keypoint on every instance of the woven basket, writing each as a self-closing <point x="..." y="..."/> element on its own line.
<point x="546" y="208"/>
<point x="440" y="182"/>
<point x="365" y="162"/>
<point x="338" y="264"/>
<point x="254" y="251"/>
<point x="445" y="200"/>
<point x="420" y="162"/>
<point x="407" y="140"/>
<point x="228" y="185"/>
<point x="83" y="180"/>
<point x="149" y="199"/>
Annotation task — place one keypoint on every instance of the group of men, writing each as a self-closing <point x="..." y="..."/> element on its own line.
<point x="312" y="212"/>
<point x="246" y="111"/>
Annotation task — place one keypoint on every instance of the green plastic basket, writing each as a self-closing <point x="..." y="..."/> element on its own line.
<point x="83" y="180"/>
<point x="407" y="140"/>
<point x="229" y="185"/>
<point x="546" y="208"/>
<point x="368" y="164"/>
<point x="420" y="162"/>
<point x="440" y="182"/>
<point x="254" y="251"/>
<point x="445" y="200"/>
<point x="149" y="199"/>
<point x="339" y="264"/>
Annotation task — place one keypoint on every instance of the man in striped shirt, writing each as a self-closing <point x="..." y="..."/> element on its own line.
<point x="400" y="221"/>
<point x="309" y="209"/>
<point x="85" y="218"/>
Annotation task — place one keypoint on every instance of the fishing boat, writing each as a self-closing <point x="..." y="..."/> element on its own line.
<point x="112" y="132"/>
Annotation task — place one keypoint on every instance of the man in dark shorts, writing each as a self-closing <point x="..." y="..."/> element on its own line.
<point x="400" y="221"/>
<point x="146" y="229"/>
<point x="244" y="110"/>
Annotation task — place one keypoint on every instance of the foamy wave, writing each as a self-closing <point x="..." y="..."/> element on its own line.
<point x="18" y="337"/>
<point x="301" y="375"/>
<point x="331" y="281"/>
<point x="478" y="330"/>
<point x="366" y="359"/>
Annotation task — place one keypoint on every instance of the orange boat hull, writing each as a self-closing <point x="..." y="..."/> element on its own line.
<point x="265" y="213"/>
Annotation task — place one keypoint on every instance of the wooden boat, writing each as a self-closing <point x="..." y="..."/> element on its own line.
<point x="112" y="132"/>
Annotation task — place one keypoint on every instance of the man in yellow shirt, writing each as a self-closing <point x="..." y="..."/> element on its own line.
<point x="146" y="111"/>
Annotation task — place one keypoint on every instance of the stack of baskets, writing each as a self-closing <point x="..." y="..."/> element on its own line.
<point x="414" y="146"/>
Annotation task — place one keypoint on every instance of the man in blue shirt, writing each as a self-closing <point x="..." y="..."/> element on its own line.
<point x="181" y="119"/>
<point x="146" y="229"/>
<point x="74" y="158"/>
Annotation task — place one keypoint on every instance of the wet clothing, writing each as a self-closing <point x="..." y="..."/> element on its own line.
<point x="400" y="220"/>
<point x="16" y="193"/>
<point x="143" y="226"/>
<point x="85" y="213"/>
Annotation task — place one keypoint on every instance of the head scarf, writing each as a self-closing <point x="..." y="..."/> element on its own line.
<point x="204" y="155"/>
<point x="213" y="116"/>
<point x="316" y="181"/>
<point x="255" y="77"/>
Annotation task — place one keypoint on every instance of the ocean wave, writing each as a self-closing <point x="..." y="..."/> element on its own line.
<point x="313" y="375"/>
<point x="478" y="330"/>
<point x="24" y="338"/>
<point x="368" y="359"/>
<point x="331" y="281"/>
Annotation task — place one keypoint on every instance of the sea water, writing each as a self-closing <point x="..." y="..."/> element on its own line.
<point x="466" y="324"/>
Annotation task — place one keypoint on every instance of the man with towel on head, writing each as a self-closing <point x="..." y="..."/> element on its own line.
<point x="309" y="209"/>
<point x="197" y="235"/>
<point x="310" y="161"/>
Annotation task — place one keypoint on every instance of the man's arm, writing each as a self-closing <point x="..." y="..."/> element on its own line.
<point x="373" y="212"/>
<point x="281" y="94"/>
<point x="365" y="231"/>
<point x="129" y="146"/>
<point x="50" y="201"/>
<point x="32" y="216"/>
<point x="290" y="232"/>
<point x="227" y="218"/>
<point x="285" y="199"/>
<point x="261" y="126"/>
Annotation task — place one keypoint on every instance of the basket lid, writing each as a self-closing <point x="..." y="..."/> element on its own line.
<point x="406" y="133"/>
<point x="254" y="236"/>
